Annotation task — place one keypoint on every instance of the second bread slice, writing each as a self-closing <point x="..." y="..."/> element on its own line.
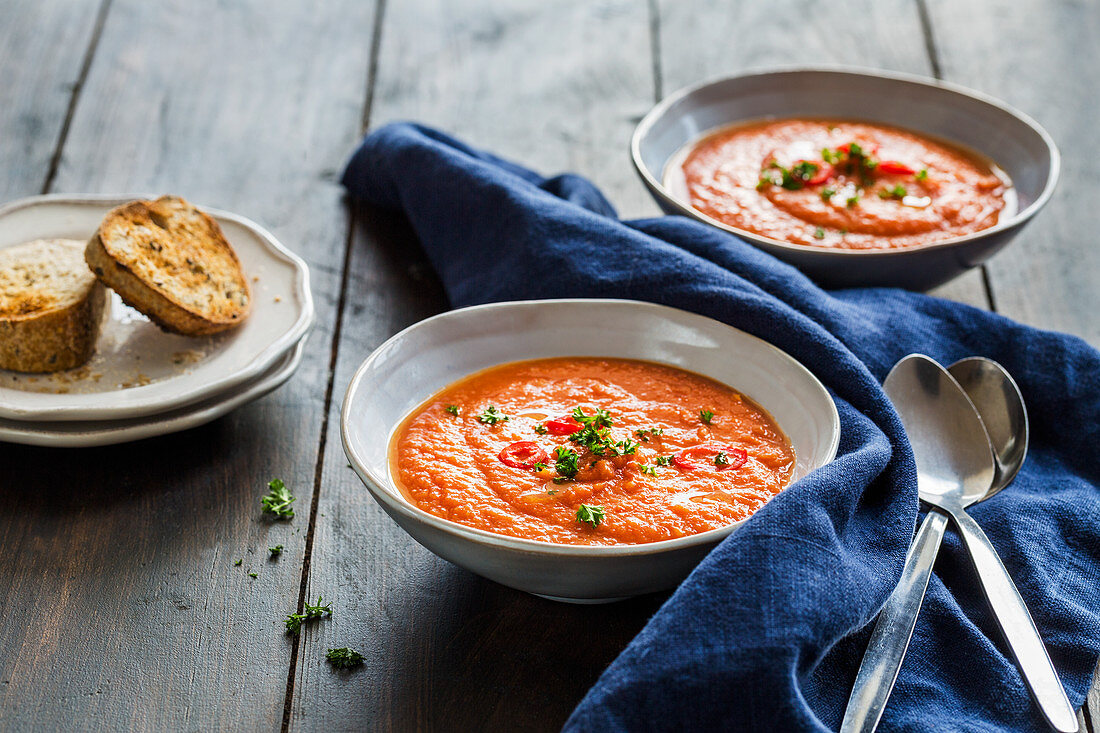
<point x="171" y="262"/>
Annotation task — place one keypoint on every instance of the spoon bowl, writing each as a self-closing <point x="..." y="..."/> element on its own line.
<point x="955" y="465"/>
<point x="1001" y="406"/>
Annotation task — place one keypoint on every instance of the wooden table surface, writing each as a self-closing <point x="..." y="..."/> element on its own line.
<point x="122" y="604"/>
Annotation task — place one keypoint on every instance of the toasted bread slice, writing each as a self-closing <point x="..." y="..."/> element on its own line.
<point x="171" y="262"/>
<point x="51" y="306"/>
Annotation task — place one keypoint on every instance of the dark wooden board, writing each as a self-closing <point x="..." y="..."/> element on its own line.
<point x="43" y="47"/>
<point x="123" y="608"/>
<point x="1040" y="57"/>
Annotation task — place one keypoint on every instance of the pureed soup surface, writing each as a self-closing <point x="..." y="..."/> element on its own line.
<point x="590" y="451"/>
<point x="845" y="185"/>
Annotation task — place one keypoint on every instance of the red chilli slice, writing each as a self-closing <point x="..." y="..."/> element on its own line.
<point x="523" y="454"/>
<point x="824" y="172"/>
<point x="894" y="167"/>
<point x="563" y="426"/>
<point x="684" y="459"/>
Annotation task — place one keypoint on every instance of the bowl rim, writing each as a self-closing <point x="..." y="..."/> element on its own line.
<point x="390" y="501"/>
<point x="644" y="126"/>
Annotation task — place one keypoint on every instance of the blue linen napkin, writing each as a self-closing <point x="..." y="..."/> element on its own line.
<point x="768" y="631"/>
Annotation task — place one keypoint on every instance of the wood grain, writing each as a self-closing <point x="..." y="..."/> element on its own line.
<point x="700" y="40"/>
<point x="556" y="86"/>
<point x="1033" y="56"/>
<point x="43" y="44"/>
<point x="124" y="609"/>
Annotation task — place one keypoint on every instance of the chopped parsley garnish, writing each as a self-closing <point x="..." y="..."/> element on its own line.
<point x="819" y="233"/>
<point x="344" y="658"/>
<point x="827" y="193"/>
<point x="276" y="550"/>
<point x="922" y="174"/>
<point x="648" y="470"/>
<point x="294" y="620"/>
<point x="721" y="459"/>
<point x="792" y="179"/>
<point x="238" y="563"/>
<point x="644" y="433"/>
<point x="626" y="447"/>
<point x="491" y="416"/>
<point x="539" y="466"/>
<point x="253" y="575"/>
<point x="278" y="500"/>
<point x="541" y="429"/>
<point x="565" y="462"/>
<point x="851" y="201"/>
<point x="663" y="460"/>
<point x="590" y="514"/>
<point x="600" y="419"/>
<point x="706" y="416"/>
<point x="453" y="409"/>
<point x="897" y="192"/>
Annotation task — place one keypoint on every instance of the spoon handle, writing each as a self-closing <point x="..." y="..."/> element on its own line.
<point x="1019" y="629"/>
<point x="894" y="628"/>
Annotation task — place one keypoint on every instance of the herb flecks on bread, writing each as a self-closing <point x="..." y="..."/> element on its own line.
<point x="51" y="306"/>
<point x="171" y="262"/>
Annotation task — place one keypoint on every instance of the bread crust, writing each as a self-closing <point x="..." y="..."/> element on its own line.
<point x="171" y="261"/>
<point x="61" y="335"/>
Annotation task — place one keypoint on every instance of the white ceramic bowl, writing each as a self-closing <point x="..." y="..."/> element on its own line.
<point x="1015" y="142"/>
<point x="428" y="356"/>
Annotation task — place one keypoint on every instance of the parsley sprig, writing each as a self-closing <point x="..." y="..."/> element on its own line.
<point x="705" y="416"/>
<point x="565" y="463"/>
<point x="590" y="514"/>
<point x="278" y="500"/>
<point x="294" y="621"/>
<point x="344" y="658"/>
<point x="491" y="416"/>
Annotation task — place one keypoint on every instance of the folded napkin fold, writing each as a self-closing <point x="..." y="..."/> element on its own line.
<point x="768" y="632"/>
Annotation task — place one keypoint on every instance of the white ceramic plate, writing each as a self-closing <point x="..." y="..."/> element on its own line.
<point x="432" y="354"/>
<point x="81" y="434"/>
<point x="139" y="370"/>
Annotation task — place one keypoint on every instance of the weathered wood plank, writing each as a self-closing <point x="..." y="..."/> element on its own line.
<point x="700" y="40"/>
<point x="1035" y="55"/>
<point x="557" y="86"/>
<point x="43" y="44"/>
<point x="124" y="608"/>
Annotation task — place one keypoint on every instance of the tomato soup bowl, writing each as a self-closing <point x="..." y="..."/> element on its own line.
<point x="1013" y="141"/>
<point x="430" y="355"/>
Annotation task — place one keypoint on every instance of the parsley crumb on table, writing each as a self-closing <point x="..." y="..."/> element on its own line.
<point x="278" y="500"/>
<point x="344" y="658"/>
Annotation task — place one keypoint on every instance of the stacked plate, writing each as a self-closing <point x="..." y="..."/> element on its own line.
<point x="142" y="381"/>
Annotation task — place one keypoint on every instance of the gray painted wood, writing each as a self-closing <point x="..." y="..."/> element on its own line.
<point x="1039" y="56"/>
<point x="123" y="606"/>
<point x="705" y="39"/>
<point x="42" y="48"/>
<point x="556" y="86"/>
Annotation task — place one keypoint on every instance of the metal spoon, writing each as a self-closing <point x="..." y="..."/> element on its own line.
<point x="1000" y="403"/>
<point x="1001" y="406"/>
<point x="955" y="462"/>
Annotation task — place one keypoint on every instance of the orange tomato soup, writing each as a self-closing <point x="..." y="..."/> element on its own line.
<point x="590" y="451"/>
<point x="840" y="184"/>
